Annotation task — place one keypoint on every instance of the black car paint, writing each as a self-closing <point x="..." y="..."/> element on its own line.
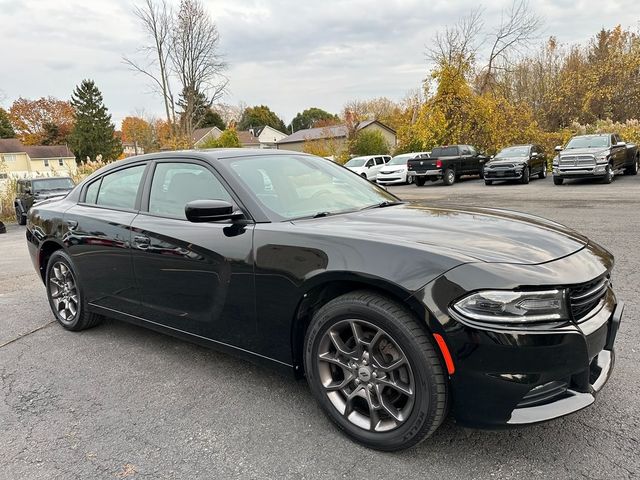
<point x="511" y="168"/>
<point x="467" y="162"/>
<point x="249" y="286"/>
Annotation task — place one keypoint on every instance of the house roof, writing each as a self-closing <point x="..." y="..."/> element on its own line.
<point x="246" y="138"/>
<point x="335" y="131"/>
<point x="199" y="133"/>
<point x="13" y="145"/>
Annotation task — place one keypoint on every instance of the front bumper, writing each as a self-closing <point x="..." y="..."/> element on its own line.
<point x="503" y="174"/>
<point x="596" y="171"/>
<point x="391" y="179"/>
<point x="506" y="376"/>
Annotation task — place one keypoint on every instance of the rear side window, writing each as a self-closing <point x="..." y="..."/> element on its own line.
<point x="120" y="189"/>
<point x="176" y="184"/>
<point x="92" y="192"/>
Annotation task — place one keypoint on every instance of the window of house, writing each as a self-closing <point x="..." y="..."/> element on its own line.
<point x="46" y="163"/>
<point x="61" y="162"/>
<point x="9" y="157"/>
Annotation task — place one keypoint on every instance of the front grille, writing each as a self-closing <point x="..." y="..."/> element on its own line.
<point x="585" y="297"/>
<point x="502" y="166"/>
<point x="584" y="161"/>
<point x="543" y="394"/>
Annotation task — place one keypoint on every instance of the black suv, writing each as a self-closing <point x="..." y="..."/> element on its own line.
<point x="34" y="190"/>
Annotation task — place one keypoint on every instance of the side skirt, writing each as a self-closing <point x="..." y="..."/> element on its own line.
<point x="253" y="357"/>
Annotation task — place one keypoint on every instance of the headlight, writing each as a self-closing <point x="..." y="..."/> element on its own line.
<point x="556" y="161"/>
<point x="503" y="306"/>
<point x="602" y="156"/>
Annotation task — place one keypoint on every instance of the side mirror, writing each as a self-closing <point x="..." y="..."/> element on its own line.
<point x="199" y="211"/>
<point x="491" y="157"/>
<point x="621" y="144"/>
<point x="534" y="155"/>
<point x="558" y="148"/>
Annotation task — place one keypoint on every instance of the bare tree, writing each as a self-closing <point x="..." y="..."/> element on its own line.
<point x="517" y="29"/>
<point x="195" y="59"/>
<point x="457" y="45"/>
<point x="155" y="19"/>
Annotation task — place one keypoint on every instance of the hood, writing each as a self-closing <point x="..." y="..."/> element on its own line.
<point x="584" y="151"/>
<point x="393" y="168"/>
<point x="467" y="233"/>
<point x="498" y="161"/>
<point x="49" y="195"/>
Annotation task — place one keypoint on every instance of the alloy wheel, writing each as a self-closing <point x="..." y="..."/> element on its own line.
<point x="63" y="292"/>
<point x="366" y="375"/>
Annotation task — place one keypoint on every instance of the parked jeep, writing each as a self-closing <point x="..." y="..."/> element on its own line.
<point x="595" y="156"/>
<point x="448" y="163"/>
<point x="35" y="190"/>
<point x="519" y="162"/>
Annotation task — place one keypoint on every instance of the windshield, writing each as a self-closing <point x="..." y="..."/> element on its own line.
<point x="589" y="141"/>
<point x="401" y="159"/>
<point x="444" y="152"/>
<point x="513" y="152"/>
<point x="296" y="186"/>
<point x="52" y="184"/>
<point x="355" y="162"/>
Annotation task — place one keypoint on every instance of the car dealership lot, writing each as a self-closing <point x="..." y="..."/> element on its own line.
<point x="121" y="401"/>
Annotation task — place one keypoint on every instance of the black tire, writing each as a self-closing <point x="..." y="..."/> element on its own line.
<point x="488" y="182"/>
<point x="82" y="318"/>
<point x="526" y="175"/>
<point x="21" y="217"/>
<point x="634" y="167"/>
<point x="428" y="406"/>
<point x="557" y="180"/>
<point x="608" y="177"/>
<point x="364" y="175"/>
<point x="449" y="177"/>
<point x="543" y="173"/>
<point x="420" y="181"/>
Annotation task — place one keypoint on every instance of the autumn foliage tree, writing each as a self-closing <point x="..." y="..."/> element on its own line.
<point x="138" y="131"/>
<point x="46" y="120"/>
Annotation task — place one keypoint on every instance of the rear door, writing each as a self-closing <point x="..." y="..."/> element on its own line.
<point x="193" y="277"/>
<point x="99" y="238"/>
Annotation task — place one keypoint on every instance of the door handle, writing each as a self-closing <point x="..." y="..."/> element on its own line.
<point x="72" y="224"/>
<point x="141" y="241"/>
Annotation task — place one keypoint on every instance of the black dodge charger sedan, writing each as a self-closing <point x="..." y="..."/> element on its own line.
<point x="396" y="313"/>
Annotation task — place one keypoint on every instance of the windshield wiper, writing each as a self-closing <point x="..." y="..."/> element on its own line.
<point x="321" y="214"/>
<point x="386" y="203"/>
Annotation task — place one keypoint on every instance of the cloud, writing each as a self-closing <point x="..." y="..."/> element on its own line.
<point x="284" y="53"/>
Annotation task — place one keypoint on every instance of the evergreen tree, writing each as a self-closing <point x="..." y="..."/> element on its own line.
<point x="6" y="129"/>
<point x="212" y="119"/>
<point x="309" y="117"/>
<point x="93" y="133"/>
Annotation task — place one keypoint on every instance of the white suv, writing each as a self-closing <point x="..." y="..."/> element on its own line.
<point x="395" y="171"/>
<point x="367" y="166"/>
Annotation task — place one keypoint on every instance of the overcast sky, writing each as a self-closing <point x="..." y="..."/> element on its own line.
<point x="289" y="55"/>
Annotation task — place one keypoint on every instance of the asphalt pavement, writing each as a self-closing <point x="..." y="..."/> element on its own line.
<point x="119" y="401"/>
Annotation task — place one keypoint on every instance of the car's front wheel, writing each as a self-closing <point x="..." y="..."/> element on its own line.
<point x="608" y="176"/>
<point x="525" y="176"/>
<point x="21" y="218"/>
<point x="558" y="180"/>
<point x="375" y="372"/>
<point x="65" y="295"/>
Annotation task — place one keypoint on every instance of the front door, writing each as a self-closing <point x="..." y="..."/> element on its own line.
<point x="193" y="277"/>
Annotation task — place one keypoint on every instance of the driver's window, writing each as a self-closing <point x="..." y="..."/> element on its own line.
<point x="369" y="163"/>
<point x="176" y="184"/>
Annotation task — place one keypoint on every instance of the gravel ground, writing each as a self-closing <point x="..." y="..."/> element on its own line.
<point x="119" y="401"/>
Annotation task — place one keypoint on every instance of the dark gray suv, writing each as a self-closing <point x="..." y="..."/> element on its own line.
<point x="34" y="190"/>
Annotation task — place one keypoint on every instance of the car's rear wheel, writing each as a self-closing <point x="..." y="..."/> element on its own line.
<point x="375" y="372"/>
<point x="525" y="176"/>
<point x="634" y="167"/>
<point x="543" y="173"/>
<point x="449" y="177"/>
<point x="420" y="181"/>
<point x="65" y="295"/>
<point x="558" y="180"/>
